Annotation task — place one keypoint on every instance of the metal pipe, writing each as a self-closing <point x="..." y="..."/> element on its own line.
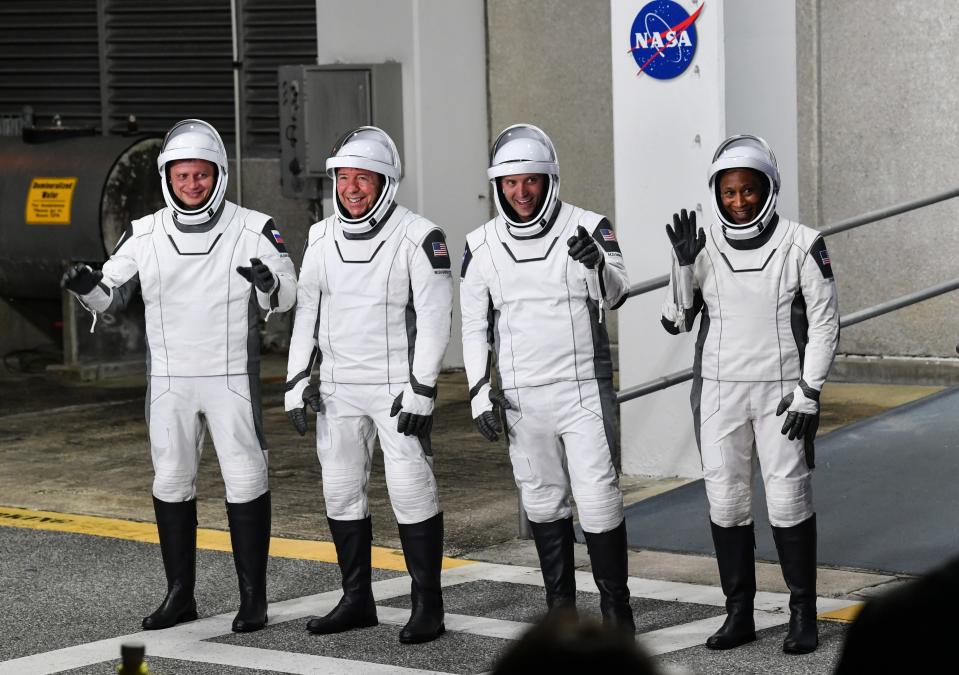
<point x="654" y="385"/>
<point x="888" y="212"/>
<point x="904" y="301"/>
<point x="648" y="285"/>
<point x="844" y="321"/>
<point x="841" y="226"/>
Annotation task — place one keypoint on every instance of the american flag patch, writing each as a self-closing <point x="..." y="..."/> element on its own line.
<point x="277" y="237"/>
<point x="608" y="235"/>
<point x="439" y="248"/>
<point x="824" y="256"/>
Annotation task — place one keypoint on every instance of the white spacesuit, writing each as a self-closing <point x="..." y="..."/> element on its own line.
<point x="768" y="334"/>
<point x="194" y="265"/>
<point x="374" y="309"/>
<point x="533" y="292"/>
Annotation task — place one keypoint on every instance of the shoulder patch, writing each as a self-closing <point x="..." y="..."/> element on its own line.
<point x="274" y="237"/>
<point x="821" y="256"/>
<point x="606" y="237"/>
<point x="467" y="256"/>
<point x="435" y="248"/>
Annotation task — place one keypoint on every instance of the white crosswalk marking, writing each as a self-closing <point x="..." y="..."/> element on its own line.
<point x="189" y="641"/>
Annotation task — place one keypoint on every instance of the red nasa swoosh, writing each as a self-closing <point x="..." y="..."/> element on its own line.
<point x="676" y="30"/>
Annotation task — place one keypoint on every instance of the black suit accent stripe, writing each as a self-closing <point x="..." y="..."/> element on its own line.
<point x="475" y="389"/>
<point x="421" y="389"/>
<point x="799" y="324"/>
<point x="545" y="256"/>
<point x="340" y="253"/>
<point x="207" y="252"/>
<point x="752" y="269"/>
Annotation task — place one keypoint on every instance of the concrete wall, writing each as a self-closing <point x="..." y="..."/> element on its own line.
<point x="878" y="126"/>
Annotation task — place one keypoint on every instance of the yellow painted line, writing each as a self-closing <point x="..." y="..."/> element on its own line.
<point x="209" y="540"/>
<point x="846" y="614"/>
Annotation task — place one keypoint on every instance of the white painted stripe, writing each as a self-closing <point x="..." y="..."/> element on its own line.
<point x="653" y="589"/>
<point x="282" y="662"/>
<point x="462" y="623"/>
<point x="694" y="634"/>
<point x="188" y="638"/>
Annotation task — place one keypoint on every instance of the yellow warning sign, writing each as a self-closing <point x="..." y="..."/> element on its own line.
<point x="49" y="201"/>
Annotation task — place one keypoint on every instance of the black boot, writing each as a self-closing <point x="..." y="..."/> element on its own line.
<point x="797" y="557"/>
<point x="353" y="540"/>
<point x="554" y="545"/>
<point x="737" y="573"/>
<point x="250" y="536"/>
<point x="423" y="550"/>
<point x="176" y="524"/>
<point x="607" y="554"/>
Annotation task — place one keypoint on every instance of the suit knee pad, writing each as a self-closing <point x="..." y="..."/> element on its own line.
<point x="344" y="489"/>
<point x="413" y="492"/>
<point x="789" y="500"/>
<point x="172" y="485"/>
<point x="729" y="503"/>
<point x="600" y="509"/>
<point x="545" y="504"/>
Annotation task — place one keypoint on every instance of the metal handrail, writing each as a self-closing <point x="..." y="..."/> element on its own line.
<point x="841" y="226"/>
<point x="849" y="320"/>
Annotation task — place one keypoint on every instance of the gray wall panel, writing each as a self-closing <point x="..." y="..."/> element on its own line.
<point x="889" y="133"/>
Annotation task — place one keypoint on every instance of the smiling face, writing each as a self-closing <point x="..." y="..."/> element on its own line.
<point x="358" y="190"/>
<point x="524" y="192"/>
<point x="192" y="181"/>
<point x="742" y="193"/>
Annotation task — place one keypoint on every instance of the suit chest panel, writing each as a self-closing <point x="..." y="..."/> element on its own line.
<point x="364" y="273"/>
<point x="205" y="274"/>
<point x="536" y="276"/>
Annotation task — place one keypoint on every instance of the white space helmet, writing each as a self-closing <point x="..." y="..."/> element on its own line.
<point x="745" y="151"/>
<point x="524" y="148"/>
<point x="372" y="149"/>
<point x="194" y="139"/>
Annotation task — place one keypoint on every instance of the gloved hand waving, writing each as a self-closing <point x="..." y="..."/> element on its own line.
<point x="687" y="243"/>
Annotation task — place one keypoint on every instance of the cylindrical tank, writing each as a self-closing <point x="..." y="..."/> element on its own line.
<point x="69" y="200"/>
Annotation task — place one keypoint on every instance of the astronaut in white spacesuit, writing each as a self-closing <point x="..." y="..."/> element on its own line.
<point x="205" y="268"/>
<point x="535" y="283"/>
<point x="768" y="334"/>
<point x="374" y="311"/>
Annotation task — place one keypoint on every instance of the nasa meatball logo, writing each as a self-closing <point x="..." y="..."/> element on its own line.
<point x="663" y="39"/>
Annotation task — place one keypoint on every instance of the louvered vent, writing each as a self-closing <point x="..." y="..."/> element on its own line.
<point x="277" y="33"/>
<point x="167" y="61"/>
<point x="96" y="62"/>
<point x="49" y="60"/>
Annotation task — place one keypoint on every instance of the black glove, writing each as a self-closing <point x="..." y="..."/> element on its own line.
<point x="311" y="397"/>
<point x="583" y="249"/>
<point x="797" y="423"/>
<point x="488" y="422"/>
<point x="682" y="235"/>
<point x="409" y="423"/>
<point x="81" y="279"/>
<point x="259" y="275"/>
